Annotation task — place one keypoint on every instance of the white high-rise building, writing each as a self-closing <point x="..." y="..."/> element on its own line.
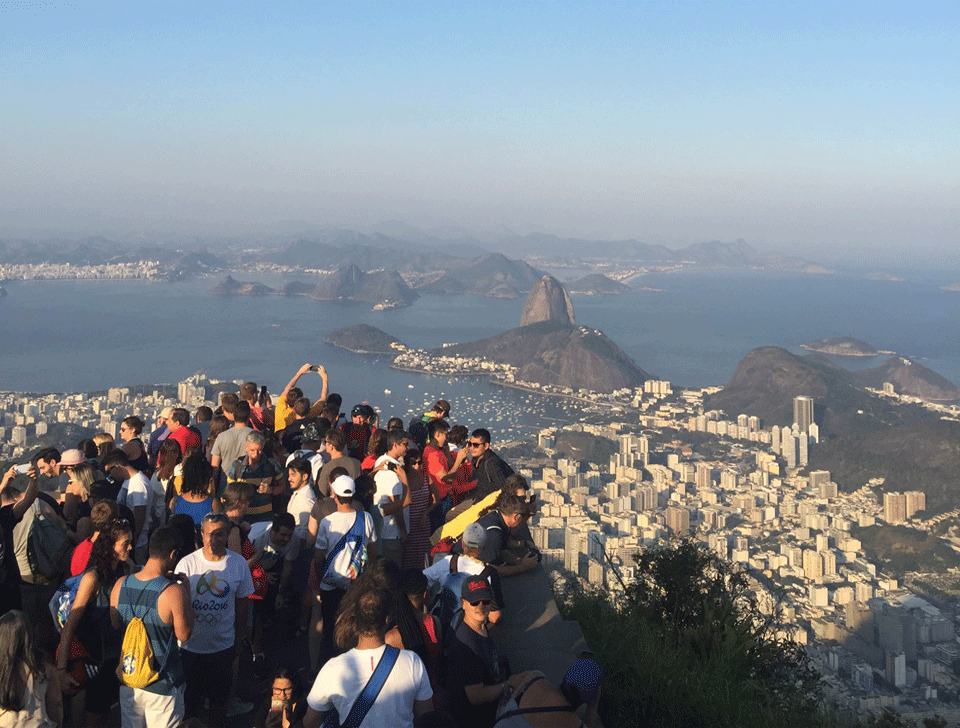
<point x="803" y="413"/>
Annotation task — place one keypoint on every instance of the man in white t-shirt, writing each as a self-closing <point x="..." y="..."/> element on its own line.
<point x="406" y="693"/>
<point x="137" y="494"/>
<point x="345" y="565"/>
<point x="220" y="583"/>
<point x="467" y="563"/>
<point x="389" y="496"/>
<point x="302" y="501"/>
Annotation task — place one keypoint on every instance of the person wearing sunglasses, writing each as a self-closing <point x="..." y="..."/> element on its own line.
<point x="475" y="682"/>
<point x="489" y="468"/>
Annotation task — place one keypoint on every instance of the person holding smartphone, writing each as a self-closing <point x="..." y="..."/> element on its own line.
<point x="13" y="506"/>
<point x="285" y="706"/>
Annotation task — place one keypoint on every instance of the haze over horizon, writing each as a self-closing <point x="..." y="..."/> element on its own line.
<point x="817" y="129"/>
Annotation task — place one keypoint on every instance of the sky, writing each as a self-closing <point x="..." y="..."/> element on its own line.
<point x="817" y="128"/>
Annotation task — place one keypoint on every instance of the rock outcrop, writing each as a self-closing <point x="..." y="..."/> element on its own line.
<point x="548" y="352"/>
<point x="230" y="286"/>
<point x="911" y="379"/>
<point x="841" y="346"/>
<point x="596" y="284"/>
<point x="362" y="339"/>
<point x="548" y="301"/>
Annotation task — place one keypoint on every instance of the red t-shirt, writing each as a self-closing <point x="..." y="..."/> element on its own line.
<point x="187" y="439"/>
<point x="435" y="460"/>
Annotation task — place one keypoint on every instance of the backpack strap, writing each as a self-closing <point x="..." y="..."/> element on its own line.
<point x="454" y="560"/>
<point x="372" y="689"/>
<point x="356" y="532"/>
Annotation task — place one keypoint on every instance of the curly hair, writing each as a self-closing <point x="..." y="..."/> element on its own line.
<point x="103" y="556"/>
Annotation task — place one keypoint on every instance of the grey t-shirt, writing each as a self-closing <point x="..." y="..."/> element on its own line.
<point x="229" y="446"/>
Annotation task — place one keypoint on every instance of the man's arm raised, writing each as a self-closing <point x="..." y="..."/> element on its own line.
<point x="29" y="495"/>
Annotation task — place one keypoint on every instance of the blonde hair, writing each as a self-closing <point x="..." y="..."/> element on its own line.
<point x="104" y="442"/>
<point x="84" y="474"/>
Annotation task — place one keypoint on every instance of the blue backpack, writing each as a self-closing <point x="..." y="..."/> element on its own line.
<point x="62" y="601"/>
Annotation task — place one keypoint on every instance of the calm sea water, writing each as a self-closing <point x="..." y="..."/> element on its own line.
<point x="81" y="336"/>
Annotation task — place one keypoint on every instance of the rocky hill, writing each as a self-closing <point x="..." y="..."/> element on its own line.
<point x="841" y="346"/>
<point x="552" y="353"/>
<point x="229" y="286"/>
<point x="767" y="379"/>
<point x="863" y="436"/>
<point x="494" y="275"/>
<point x="362" y="339"/>
<point x="548" y="301"/>
<point x="352" y="284"/>
<point x="910" y="378"/>
<point x="596" y="284"/>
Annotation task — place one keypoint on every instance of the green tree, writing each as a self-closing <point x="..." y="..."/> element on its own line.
<point x="688" y="645"/>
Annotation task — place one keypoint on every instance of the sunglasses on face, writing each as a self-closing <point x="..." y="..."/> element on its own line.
<point x="475" y="444"/>
<point x="481" y="603"/>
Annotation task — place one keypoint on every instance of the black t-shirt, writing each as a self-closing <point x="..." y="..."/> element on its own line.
<point x="137" y="454"/>
<point x="491" y="473"/>
<point x="291" y="436"/>
<point x="498" y="536"/>
<point x="471" y="660"/>
<point x="9" y="570"/>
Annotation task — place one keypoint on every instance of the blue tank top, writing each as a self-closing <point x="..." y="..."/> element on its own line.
<point x="139" y="599"/>
<point x="196" y="511"/>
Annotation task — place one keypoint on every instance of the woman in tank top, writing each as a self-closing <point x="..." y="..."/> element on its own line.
<point x="196" y="495"/>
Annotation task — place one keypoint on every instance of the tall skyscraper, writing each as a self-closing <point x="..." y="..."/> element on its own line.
<point x="803" y="413"/>
<point x="678" y="520"/>
<point x="894" y="507"/>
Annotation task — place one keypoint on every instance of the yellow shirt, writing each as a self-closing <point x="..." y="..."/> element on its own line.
<point x="284" y="416"/>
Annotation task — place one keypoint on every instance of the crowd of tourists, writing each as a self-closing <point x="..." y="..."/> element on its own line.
<point x="155" y="580"/>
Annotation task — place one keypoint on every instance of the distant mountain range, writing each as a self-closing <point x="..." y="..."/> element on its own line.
<point x="863" y="436"/>
<point x="493" y="275"/>
<point x="434" y="261"/>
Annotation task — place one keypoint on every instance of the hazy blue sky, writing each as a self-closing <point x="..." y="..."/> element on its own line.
<point x="811" y="126"/>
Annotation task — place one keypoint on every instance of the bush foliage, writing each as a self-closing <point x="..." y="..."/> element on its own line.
<point x="687" y="645"/>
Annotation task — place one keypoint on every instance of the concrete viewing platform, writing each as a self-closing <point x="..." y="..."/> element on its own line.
<point x="532" y="633"/>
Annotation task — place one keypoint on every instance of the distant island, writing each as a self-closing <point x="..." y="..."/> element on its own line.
<point x="883" y="276"/>
<point x="362" y="339"/>
<point x="841" y="346"/>
<point x="596" y="284"/>
<point x="953" y="287"/>
<point x="229" y="286"/>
